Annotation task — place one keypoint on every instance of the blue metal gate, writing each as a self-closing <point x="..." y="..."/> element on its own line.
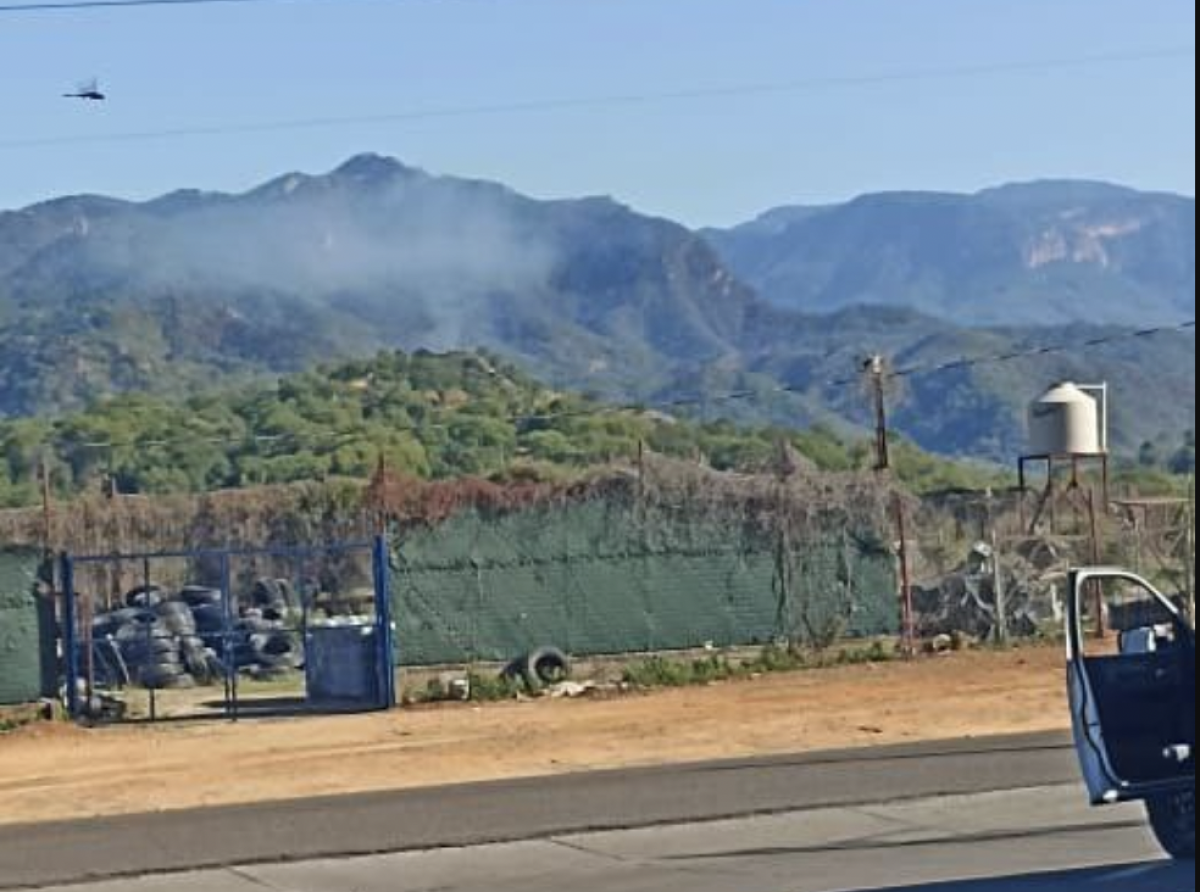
<point x="229" y="632"/>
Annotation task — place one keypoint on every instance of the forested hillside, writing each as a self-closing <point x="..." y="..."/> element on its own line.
<point x="425" y="415"/>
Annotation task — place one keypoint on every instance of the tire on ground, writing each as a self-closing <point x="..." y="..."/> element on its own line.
<point x="158" y="677"/>
<point x="545" y="666"/>
<point x="274" y="650"/>
<point x="196" y="661"/>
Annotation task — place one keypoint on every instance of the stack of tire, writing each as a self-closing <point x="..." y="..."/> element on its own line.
<point x="160" y="642"/>
<point x="151" y="643"/>
<point x="266" y="649"/>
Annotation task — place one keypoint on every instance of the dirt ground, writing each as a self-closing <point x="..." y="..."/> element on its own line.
<point x="51" y="772"/>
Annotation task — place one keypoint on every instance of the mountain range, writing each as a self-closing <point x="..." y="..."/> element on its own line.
<point x="1029" y="254"/>
<point x="100" y="296"/>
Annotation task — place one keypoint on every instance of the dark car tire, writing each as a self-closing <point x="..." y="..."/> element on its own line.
<point x="196" y="596"/>
<point x="129" y="616"/>
<point x="1173" y="818"/>
<point x="274" y="594"/>
<point x="544" y="667"/>
<point x="176" y="617"/>
<point x="209" y="618"/>
<point x="158" y="677"/>
<point x="274" y="650"/>
<point x="146" y="597"/>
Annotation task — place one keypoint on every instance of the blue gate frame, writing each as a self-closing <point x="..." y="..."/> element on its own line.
<point x="383" y="625"/>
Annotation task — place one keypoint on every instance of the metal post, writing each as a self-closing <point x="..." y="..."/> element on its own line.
<point x="907" y="607"/>
<point x="70" y="637"/>
<point x="1097" y="559"/>
<point x="383" y="614"/>
<point x="1023" y="492"/>
<point x="87" y="622"/>
<point x="1001" y="594"/>
<point x="150" y="639"/>
<point x="1052" y="493"/>
<point x="231" y="667"/>
<point x="1139" y="562"/>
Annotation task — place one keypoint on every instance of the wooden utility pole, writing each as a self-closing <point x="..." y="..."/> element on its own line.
<point x="876" y="367"/>
<point x="908" y="614"/>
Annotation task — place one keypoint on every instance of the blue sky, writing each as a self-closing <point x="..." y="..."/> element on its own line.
<point x="713" y="160"/>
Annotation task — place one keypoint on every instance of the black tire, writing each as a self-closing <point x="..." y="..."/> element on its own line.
<point x="149" y="627"/>
<point x="256" y="625"/>
<point x="173" y="608"/>
<point x="244" y="655"/>
<point x="177" y="619"/>
<point x="139" y="658"/>
<point x="209" y="618"/>
<point x="543" y="667"/>
<point x="169" y="663"/>
<point x="158" y="678"/>
<point x="216" y="667"/>
<point x="130" y="616"/>
<point x="275" y="594"/>
<point x="266" y="673"/>
<point x="154" y="647"/>
<point x="196" y="662"/>
<point x="274" y="651"/>
<point x="145" y="597"/>
<point x="103" y="628"/>
<point x="290" y="601"/>
<point x="1173" y="818"/>
<point x="196" y="596"/>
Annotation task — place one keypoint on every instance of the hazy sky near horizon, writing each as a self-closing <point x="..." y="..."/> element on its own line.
<point x="848" y="117"/>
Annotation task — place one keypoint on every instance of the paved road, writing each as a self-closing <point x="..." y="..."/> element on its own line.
<point x="1042" y="840"/>
<point x="527" y="810"/>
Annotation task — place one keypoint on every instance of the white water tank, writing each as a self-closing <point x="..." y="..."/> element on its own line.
<point x="1066" y="421"/>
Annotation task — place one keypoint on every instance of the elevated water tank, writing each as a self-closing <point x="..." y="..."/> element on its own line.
<point x="1066" y="421"/>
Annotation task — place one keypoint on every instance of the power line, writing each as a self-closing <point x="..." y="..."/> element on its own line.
<point x="732" y="91"/>
<point x="682" y="403"/>
<point x="122" y="4"/>
<point x="1047" y="350"/>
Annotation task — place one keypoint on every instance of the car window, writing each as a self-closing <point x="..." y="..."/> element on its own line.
<point x="1121" y="616"/>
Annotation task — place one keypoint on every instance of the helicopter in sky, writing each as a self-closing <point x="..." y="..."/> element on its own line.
<point x="89" y="92"/>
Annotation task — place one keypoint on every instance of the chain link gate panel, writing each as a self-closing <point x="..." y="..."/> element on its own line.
<point x="229" y="633"/>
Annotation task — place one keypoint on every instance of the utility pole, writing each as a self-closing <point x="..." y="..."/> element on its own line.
<point x="908" y="613"/>
<point x="47" y="506"/>
<point x="876" y="368"/>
